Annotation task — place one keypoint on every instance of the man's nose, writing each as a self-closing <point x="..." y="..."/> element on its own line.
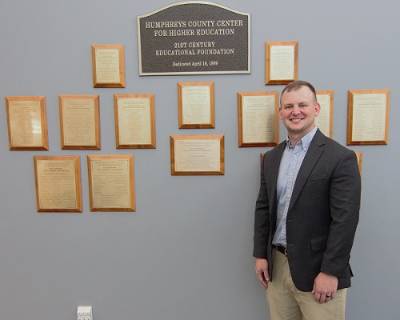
<point x="296" y="109"/>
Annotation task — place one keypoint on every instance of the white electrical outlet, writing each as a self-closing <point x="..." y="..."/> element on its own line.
<point x="84" y="313"/>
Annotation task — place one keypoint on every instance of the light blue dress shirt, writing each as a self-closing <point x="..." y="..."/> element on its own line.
<point x="291" y="161"/>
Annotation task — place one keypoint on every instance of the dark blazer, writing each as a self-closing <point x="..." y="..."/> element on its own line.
<point x="322" y="215"/>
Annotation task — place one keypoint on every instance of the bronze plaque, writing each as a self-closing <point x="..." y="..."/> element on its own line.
<point x="193" y="38"/>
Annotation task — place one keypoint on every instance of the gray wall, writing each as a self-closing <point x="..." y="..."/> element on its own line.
<point x="186" y="252"/>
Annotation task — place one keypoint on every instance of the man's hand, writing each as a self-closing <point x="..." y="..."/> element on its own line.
<point x="262" y="271"/>
<point x="325" y="287"/>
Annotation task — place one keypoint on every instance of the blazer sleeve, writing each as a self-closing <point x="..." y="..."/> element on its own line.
<point x="261" y="220"/>
<point x="344" y="197"/>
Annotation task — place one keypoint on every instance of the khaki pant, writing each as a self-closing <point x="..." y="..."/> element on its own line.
<point x="288" y="303"/>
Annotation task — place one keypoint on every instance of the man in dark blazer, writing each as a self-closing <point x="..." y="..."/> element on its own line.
<point x="306" y="215"/>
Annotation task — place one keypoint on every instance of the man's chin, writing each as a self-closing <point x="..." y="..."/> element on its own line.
<point x="295" y="129"/>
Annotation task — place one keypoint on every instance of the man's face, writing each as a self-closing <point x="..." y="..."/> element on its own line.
<point x="298" y="111"/>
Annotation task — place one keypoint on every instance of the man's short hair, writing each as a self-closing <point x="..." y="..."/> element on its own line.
<point x="296" y="85"/>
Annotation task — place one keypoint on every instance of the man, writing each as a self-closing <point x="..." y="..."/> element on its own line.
<point x="306" y="215"/>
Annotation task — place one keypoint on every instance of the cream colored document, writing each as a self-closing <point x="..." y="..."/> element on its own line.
<point x="196" y="105"/>
<point x="56" y="184"/>
<point x="25" y="123"/>
<point x="258" y="115"/>
<point x="369" y="117"/>
<point x="107" y="65"/>
<point x="197" y="155"/>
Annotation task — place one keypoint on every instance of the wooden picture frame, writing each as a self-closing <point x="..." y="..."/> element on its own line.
<point x="131" y="132"/>
<point x="27" y="123"/>
<point x="360" y="158"/>
<point x="324" y="121"/>
<point x="111" y="183"/>
<point x="108" y="62"/>
<point x="58" y="184"/>
<point x="261" y="161"/>
<point x="196" y="105"/>
<point x="258" y="119"/>
<point x="79" y="122"/>
<point x="281" y="62"/>
<point x="368" y="117"/>
<point x="197" y="155"/>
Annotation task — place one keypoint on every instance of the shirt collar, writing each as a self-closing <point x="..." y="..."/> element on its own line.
<point x="304" y="142"/>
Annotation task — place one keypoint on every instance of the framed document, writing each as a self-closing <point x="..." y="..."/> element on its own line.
<point x="194" y="155"/>
<point x="27" y="122"/>
<point x="79" y="122"/>
<point x="360" y="156"/>
<point x="258" y="121"/>
<point x="281" y="62"/>
<point x="108" y="65"/>
<point x="111" y="182"/>
<point x="134" y="121"/>
<point x="196" y="108"/>
<point x="368" y="117"/>
<point x="325" y="119"/>
<point x="58" y="183"/>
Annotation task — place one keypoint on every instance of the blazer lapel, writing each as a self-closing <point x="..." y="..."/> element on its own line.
<point x="275" y="163"/>
<point x="314" y="152"/>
